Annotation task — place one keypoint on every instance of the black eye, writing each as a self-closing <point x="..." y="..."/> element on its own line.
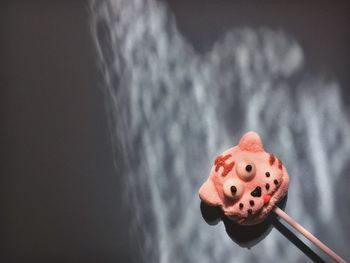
<point x="233" y="189"/>
<point x="245" y="170"/>
<point x="248" y="168"/>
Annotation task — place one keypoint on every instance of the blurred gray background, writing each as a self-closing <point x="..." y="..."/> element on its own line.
<point x="180" y="81"/>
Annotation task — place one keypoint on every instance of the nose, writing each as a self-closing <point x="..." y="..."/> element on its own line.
<point x="256" y="192"/>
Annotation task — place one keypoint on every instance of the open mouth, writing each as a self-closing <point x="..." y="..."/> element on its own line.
<point x="266" y="199"/>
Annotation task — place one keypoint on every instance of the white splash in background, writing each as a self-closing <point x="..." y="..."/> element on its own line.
<point x="172" y="110"/>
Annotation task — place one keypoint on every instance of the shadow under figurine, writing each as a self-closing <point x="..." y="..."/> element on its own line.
<point x="245" y="236"/>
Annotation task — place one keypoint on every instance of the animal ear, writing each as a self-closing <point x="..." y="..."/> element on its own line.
<point x="209" y="194"/>
<point x="251" y="142"/>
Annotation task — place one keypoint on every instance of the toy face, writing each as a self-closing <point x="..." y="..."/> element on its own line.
<point x="245" y="181"/>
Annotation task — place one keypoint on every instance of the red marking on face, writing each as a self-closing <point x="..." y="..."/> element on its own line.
<point x="220" y="162"/>
<point x="267" y="199"/>
<point x="280" y="164"/>
<point x="272" y="159"/>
